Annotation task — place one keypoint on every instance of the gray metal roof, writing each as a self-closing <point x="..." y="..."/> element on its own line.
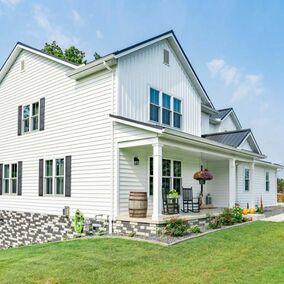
<point x="230" y="138"/>
<point x="222" y="113"/>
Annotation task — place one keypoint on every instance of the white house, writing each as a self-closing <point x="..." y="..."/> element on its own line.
<point x="137" y="119"/>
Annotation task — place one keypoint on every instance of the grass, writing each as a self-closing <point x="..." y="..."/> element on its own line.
<point x="247" y="254"/>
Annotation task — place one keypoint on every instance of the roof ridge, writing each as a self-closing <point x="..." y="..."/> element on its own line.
<point x="229" y="108"/>
<point x="227" y="132"/>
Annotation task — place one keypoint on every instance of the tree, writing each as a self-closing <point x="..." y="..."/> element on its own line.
<point x="71" y="54"/>
<point x="280" y="184"/>
<point x="97" y="56"/>
<point x="53" y="49"/>
<point x="74" y="55"/>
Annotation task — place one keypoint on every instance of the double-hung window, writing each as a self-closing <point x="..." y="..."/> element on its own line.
<point x="154" y="105"/>
<point x="54" y="177"/>
<point x="30" y="117"/>
<point x="177" y="113"/>
<point x="166" y="117"/>
<point x="247" y="179"/>
<point x="171" y="175"/>
<point x="10" y="179"/>
<point x="177" y="176"/>
<point x="267" y="181"/>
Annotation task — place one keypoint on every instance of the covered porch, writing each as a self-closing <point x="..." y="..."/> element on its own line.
<point x="153" y="165"/>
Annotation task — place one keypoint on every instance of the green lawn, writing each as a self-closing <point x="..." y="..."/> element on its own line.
<point x="252" y="253"/>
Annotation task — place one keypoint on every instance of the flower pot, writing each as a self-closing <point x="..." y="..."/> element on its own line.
<point x="173" y="206"/>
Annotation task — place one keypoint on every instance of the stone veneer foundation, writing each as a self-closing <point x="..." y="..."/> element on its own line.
<point x="122" y="227"/>
<point x="24" y="228"/>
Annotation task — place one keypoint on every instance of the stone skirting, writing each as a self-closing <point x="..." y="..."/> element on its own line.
<point x="122" y="227"/>
<point x="273" y="210"/>
<point x="24" y="228"/>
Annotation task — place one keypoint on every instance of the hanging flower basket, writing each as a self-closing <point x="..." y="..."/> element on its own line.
<point x="202" y="176"/>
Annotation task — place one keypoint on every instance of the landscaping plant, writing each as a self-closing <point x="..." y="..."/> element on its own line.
<point x="78" y="222"/>
<point x="237" y="213"/>
<point x="195" y="229"/>
<point x="176" y="227"/>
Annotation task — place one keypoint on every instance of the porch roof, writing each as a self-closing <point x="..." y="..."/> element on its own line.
<point x="179" y="136"/>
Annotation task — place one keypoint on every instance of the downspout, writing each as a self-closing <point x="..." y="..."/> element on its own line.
<point x="112" y="148"/>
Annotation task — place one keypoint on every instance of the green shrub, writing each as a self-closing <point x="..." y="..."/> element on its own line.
<point x="195" y="229"/>
<point x="214" y="223"/>
<point x="176" y="227"/>
<point x="227" y="217"/>
<point x="238" y="215"/>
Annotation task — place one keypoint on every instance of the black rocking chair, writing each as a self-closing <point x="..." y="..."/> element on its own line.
<point x="170" y="205"/>
<point x="189" y="203"/>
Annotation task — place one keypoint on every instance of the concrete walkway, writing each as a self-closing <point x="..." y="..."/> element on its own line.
<point x="276" y="218"/>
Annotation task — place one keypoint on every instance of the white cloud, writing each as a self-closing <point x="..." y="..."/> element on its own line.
<point x="241" y="85"/>
<point x="53" y="32"/>
<point x="10" y="3"/>
<point x="76" y="17"/>
<point x="99" y="34"/>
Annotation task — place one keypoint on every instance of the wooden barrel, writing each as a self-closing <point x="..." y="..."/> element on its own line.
<point x="138" y="204"/>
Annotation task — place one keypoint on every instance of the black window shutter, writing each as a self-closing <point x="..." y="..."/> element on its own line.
<point x="1" y="178"/>
<point x="68" y="176"/>
<point x="40" y="178"/>
<point x="42" y="114"/>
<point x="20" y="175"/>
<point x="19" y="120"/>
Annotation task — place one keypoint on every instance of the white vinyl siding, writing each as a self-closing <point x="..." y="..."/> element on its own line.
<point x="77" y="123"/>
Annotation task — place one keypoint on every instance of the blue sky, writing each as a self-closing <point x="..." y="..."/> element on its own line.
<point x="236" y="47"/>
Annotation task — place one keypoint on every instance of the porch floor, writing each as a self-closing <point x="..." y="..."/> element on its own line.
<point x="186" y="216"/>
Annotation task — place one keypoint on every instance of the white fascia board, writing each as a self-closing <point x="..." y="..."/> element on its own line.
<point x="17" y="50"/>
<point x="92" y="67"/>
<point x="269" y="164"/>
<point x="253" y="140"/>
<point x="208" y="110"/>
<point x="235" y="119"/>
<point x="212" y="144"/>
<point x="133" y="124"/>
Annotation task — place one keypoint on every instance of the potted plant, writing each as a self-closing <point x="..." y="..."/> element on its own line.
<point x="173" y="205"/>
<point x="202" y="176"/>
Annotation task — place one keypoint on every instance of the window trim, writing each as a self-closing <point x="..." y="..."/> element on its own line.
<point x="245" y="179"/>
<point x="10" y="179"/>
<point x="160" y="116"/>
<point x="54" y="194"/>
<point x="172" y="177"/>
<point x="267" y="181"/>
<point x="30" y="119"/>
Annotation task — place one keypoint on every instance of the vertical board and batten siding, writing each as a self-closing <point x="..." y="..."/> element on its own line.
<point x="144" y="69"/>
<point x="227" y="124"/>
<point x="205" y="125"/>
<point x="77" y="124"/>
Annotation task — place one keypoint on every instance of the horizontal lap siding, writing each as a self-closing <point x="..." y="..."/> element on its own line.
<point x="269" y="198"/>
<point x="76" y="123"/>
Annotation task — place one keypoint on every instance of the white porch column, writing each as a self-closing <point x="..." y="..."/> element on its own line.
<point x="157" y="181"/>
<point x="232" y="182"/>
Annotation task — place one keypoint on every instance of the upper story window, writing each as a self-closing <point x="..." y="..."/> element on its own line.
<point x="247" y="179"/>
<point x="154" y="105"/>
<point x="10" y="179"/>
<point x="267" y="181"/>
<point x="30" y="117"/>
<point x="166" y="57"/>
<point x="177" y="113"/>
<point x="171" y="114"/>
<point x="166" y="117"/>
<point x="54" y="177"/>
